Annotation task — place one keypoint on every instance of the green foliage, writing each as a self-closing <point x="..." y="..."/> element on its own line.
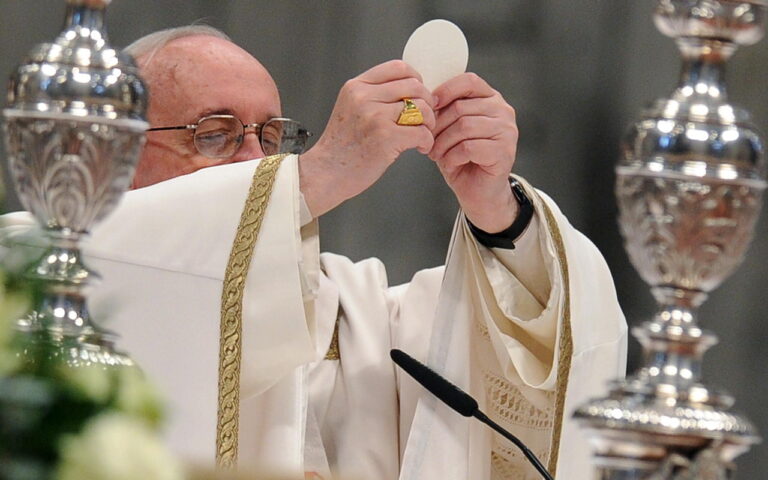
<point x="49" y="393"/>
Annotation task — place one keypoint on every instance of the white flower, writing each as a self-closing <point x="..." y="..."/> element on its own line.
<point x="115" y="446"/>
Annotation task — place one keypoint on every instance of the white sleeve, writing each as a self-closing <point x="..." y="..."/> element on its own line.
<point x="525" y="262"/>
<point x="526" y="290"/>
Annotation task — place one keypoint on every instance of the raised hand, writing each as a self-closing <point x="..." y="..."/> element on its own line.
<point x="362" y="138"/>
<point x="475" y="147"/>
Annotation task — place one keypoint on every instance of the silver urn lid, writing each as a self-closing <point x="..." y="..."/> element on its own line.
<point x="696" y="132"/>
<point x="79" y="73"/>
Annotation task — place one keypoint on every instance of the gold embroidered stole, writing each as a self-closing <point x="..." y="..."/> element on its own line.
<point x="231" y="323"/>
<point x="508" y="403"/>
<point x="566" y="342"/>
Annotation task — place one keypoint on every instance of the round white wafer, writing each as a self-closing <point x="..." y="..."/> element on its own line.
<point x="438" y="51"/>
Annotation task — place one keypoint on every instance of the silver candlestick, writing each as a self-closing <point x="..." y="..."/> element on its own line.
<point x="689" y="186"/>
<point x="74" y="128"/>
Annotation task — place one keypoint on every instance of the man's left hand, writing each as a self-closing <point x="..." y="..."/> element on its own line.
<point x="475" y="147"/>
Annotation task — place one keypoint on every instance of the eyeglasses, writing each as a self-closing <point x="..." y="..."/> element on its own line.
<point x="220" y="136"/>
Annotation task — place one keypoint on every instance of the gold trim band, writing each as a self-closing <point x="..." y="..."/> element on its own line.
<point x="566" y="343"/>
<point x="231" y="323"/>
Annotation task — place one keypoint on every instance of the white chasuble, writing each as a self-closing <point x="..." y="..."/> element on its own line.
<point x="531" y="333"/>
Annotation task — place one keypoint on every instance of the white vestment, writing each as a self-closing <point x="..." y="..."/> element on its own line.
<point x="529" y="345"/>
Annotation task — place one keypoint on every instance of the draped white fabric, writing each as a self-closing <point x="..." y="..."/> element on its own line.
<point x="491" y="321"/>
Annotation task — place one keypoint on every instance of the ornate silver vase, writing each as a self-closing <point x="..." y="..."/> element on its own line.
<point x="689" y="187"/>
<point x="74" y="127"/>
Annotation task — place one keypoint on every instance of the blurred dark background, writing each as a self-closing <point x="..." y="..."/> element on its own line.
<point x="577" y="72"/>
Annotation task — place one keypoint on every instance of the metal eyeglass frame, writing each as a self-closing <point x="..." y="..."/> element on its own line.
<point x="256" y="126"/>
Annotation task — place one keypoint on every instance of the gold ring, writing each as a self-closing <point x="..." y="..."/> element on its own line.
<point x="410" y="115"/>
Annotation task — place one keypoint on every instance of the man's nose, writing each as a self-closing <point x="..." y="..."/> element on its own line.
<point x="250" y="148"/>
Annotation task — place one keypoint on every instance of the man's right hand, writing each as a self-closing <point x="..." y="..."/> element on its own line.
<point x="362" y="138"/>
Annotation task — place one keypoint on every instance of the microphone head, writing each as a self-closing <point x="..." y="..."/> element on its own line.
<point x="447" y="392"/>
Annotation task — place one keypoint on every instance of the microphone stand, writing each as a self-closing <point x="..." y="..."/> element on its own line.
<point x="459" y="400"/>
<point x="523" y="448"/>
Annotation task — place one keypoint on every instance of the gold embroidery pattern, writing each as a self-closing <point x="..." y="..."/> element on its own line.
<point x="566" y="342"/>
<point x="333" y="352"/>
<point x="482" y="328"/>
<point x="509" y="403"/>
<point x="231" y="323"/>
<point x="510" y="464"/>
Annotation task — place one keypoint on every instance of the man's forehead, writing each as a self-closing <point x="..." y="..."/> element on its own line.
<point x="198" y="54"/>
<point x="195" y="76"/>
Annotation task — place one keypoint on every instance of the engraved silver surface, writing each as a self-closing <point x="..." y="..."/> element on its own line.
<point x="74" y="127"/>
<point x="70" y="174"/>
<point x="689" y="185"/>
<point x="688" y="232"/>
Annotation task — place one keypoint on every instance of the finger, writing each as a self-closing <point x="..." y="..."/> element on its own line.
<point x="465" y="128"/>
<point x="424" y="108"/>
<point x="492" y="107"/>
<point x="457" y="159"/>
<point x="483" y="153"/>
<point x="389" y="71"/>
<point x="450" y="164"/>
<point x="466" y="85"/>
<point x="424" y="141"/>
<point x="417" y="137"/>
<point x="396" y="90"/>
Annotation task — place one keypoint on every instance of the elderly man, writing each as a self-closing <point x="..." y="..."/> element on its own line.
<point x="276" y="357"/>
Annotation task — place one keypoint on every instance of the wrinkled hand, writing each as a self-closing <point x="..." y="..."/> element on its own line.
<point x="362" y="138"/>
<point x="475" y="147"/>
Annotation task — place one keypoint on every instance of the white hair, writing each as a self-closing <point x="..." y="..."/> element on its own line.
<point x="148" y="45"/>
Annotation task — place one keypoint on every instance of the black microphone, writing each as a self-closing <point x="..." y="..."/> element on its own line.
<point x="458" y="400"/>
